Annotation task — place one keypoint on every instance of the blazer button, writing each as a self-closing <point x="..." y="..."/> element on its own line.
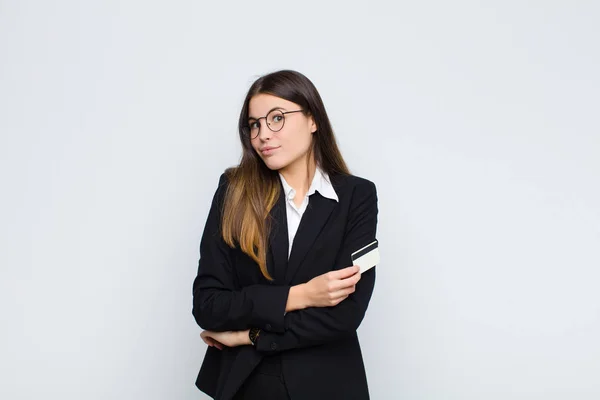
<point x="273" y="346"/>
<point x="268" y="327"/>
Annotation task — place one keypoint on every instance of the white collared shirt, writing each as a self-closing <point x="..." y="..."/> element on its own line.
<point x="320" y="183"/>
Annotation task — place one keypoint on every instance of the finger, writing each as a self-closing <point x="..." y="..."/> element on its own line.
<point x="345" y="272"/>
<point x="213" y="343"/>
<point x="337" y="285"/>
<point x="355" y="278"/>
<point x="345" y="283"/>
<point x="344" y="279"/>
<point x="342" y="293"/>
<point x="207" y="336"/>
<point x="335" y="302"/>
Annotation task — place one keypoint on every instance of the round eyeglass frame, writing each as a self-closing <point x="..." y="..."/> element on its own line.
<point x="247" y="129"/>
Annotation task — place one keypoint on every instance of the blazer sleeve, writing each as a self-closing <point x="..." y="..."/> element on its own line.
<point x="318" y="325"/>
<point x="217" y="305"/>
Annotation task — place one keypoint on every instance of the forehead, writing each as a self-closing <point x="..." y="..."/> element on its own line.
<point x="262" y="103"/>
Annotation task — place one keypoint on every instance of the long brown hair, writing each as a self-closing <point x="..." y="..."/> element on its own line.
<point x="253" y="188"/>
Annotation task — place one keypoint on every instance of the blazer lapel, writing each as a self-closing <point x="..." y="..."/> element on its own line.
<point x="278" y="239"/>
<point x="313" y="220"/>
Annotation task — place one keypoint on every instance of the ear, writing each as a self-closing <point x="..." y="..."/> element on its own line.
<point x="312" y="124"/>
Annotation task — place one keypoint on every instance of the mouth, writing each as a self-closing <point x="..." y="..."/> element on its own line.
<point x="268" y="150"/>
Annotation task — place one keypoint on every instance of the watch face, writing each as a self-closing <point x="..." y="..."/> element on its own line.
<point x="253" y="335"/>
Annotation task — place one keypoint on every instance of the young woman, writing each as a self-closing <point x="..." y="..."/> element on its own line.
<point x="276" y="292"/>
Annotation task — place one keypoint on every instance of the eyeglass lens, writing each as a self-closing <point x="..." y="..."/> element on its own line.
<point x="274" y="119"/>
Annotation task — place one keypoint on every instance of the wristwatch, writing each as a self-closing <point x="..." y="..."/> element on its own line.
<point x="254" y="332"/>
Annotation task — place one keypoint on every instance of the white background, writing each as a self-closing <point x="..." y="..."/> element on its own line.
<point x="478" y="121"/>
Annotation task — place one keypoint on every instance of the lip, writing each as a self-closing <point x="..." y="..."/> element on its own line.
<point x="268" y="150"/>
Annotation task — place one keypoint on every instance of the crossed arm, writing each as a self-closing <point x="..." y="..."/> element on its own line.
<point x="326" y="308"/>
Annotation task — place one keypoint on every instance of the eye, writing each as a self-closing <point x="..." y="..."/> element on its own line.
<point x="253" y="125"/>
<point x="278" y="118"/>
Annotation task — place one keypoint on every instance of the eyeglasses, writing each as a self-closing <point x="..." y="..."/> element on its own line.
<point x="275" y="120"/>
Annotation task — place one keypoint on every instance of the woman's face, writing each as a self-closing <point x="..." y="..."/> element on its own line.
<point x="287" y="147"/>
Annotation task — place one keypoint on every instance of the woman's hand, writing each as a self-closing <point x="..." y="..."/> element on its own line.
<point x="228" y="338"/>
<point x="331" y="288"/>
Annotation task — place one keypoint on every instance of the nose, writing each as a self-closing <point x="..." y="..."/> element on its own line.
<point x="264" y="132"/>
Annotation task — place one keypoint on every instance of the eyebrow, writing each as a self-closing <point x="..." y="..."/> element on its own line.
<point x="274" y="108"/>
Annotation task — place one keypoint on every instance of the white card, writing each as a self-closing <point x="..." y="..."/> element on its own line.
<point x="366" y="257"/>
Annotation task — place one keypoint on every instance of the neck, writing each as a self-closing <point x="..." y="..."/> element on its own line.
<point x="296" y="174"/>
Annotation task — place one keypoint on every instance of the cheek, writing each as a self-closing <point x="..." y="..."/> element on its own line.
<point x="298" y="139"/>
<point x="304" y="141"/>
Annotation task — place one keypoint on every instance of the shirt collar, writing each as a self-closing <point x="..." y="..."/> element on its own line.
<point x="320" y="183"/>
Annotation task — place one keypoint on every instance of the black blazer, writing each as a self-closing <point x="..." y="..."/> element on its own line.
<point x="319" y="348"/>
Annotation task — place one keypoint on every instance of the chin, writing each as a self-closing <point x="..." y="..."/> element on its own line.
<point x="274" y="165"/>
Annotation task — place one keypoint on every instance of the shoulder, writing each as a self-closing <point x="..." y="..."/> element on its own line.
<point x="223" y="182"/>
<point x="225" y="178"/>
<point x="353" y="186"/>
<point x="226" y="175"/>
<point x="221" y="189"/>
<point x="358" y="195"/>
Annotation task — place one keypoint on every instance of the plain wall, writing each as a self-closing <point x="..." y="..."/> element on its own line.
<point x="478" y="121"/>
